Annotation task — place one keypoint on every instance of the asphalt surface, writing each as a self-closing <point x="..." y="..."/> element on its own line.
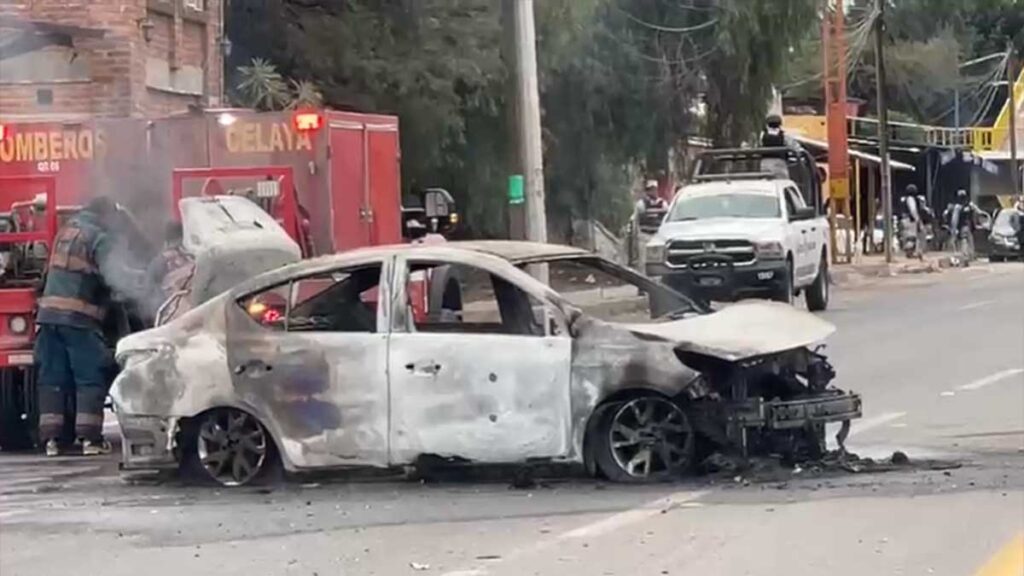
<point x="939" y="359"/>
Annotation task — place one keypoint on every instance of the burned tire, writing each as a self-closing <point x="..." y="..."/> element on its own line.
<point x="818" y="292"/>
<point x="784" y="292"/>
<point x="229" y="447"/>
<point x="645" y="439"/>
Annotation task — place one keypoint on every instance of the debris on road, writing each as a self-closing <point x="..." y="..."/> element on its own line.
<point x="419" y="567"/>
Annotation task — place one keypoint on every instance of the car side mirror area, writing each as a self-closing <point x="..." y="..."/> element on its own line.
<point x="804" y="213"/>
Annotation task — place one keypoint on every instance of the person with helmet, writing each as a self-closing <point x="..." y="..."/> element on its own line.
<point x="648" y="213"/>
<point x="962" y="223"/>
<point x="913" y="219"/>
<point x="70" y="350"/>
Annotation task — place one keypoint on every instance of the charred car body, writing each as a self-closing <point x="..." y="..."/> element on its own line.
<point x="322" y="364"/>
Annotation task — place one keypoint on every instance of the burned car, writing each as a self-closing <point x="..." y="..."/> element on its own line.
<point x="322" y="364"/>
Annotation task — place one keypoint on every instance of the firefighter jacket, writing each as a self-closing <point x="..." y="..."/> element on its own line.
<point x="75" y="293"/>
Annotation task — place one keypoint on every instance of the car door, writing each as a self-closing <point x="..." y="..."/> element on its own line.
<point x="805" y="233"/>
<point x="487" y="383"/>
<point x="310" y="356"/>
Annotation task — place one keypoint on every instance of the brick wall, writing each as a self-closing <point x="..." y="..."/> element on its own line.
<point x="117" y="63"/>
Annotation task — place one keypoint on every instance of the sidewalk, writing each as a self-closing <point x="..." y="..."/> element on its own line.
<point x="875" y="266"/>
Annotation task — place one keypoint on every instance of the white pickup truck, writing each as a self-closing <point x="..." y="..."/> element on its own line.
<point x="737" y="236"/>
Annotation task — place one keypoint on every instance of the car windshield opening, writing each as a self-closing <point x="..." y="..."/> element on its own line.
<point x="736" y="205"/>
<point x="1007" y="222"/>
<point x="614" y="294"/>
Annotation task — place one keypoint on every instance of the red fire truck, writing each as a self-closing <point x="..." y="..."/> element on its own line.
<point x="331" y="178"/>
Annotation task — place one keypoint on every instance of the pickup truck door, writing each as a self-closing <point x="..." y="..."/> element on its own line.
<point x="805" y="234"/>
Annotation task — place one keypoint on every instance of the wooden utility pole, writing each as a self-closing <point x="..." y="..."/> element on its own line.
<point x="834" y="50"/>
<point x="883" y="128"/>
<point x="528" y="127"/>
<point x="1011" y="80"/>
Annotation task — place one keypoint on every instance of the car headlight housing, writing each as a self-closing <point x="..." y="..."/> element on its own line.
<point x="769" y="250"/>
<point x="18" y="325"/>
<point x="655" y="252"/>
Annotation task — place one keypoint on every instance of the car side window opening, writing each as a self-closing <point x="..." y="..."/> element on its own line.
<point x="470" y="300"/>
<point x="337" y="301"/>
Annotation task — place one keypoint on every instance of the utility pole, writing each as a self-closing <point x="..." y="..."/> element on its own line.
<point x="883" y="128"/>
<point x="528" y="127"/>
<point x="1011" y="79"/>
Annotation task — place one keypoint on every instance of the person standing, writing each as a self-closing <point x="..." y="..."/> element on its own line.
<point x="648" y="213"/>
<point x="70" y="349"/>
<point x="913" y="218"/>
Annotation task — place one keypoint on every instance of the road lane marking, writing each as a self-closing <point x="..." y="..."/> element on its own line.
<point x="1008" y="561"/>
<point x="859" y="426"/>
<point x="974" y="305"/>
<point x="992" y="379"/>
<point x="594" y="529"/>
<point x="623" y="519"/>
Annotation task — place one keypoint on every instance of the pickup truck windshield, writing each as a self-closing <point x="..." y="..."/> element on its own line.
<point x="736" y="205"/>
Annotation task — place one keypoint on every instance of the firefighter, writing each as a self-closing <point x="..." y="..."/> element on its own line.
<point x="70" y="349"/>
<point x="172" y="270"/>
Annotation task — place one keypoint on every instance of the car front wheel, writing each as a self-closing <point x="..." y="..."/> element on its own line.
<point x="784" y="291"/>
<point x="645" y="439"/>
<point x="818" y="293"/>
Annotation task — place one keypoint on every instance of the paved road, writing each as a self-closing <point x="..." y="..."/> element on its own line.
<point x="938" y="358"/>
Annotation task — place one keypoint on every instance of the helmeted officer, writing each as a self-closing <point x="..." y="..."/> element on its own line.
<point x="70" y="350"/>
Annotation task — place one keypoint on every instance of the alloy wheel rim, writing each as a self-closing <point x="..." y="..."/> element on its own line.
<point x="232" y="447"/>
<point x="650" y="436"/>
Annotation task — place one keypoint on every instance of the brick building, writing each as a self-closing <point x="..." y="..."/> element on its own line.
<point x="72" y="59"/>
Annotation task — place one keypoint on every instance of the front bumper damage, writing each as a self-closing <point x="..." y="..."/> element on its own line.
<point x="148" y="442"/>
<point x="791" y="414"/>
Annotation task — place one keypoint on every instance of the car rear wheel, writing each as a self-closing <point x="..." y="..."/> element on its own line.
<point x="645" y="439"/>
<point x="996" y="258"/>
<point x="229" y="447"/>
<point x="818" y="292"/>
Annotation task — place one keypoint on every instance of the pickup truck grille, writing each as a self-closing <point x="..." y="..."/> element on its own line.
<point x="680" y="251"/>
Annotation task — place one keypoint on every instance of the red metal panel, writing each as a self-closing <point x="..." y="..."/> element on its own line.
<point x="348" y="186"/>
<point x="385" y="187"/>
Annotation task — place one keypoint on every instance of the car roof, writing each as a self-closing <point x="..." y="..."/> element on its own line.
<point x="755" y="186"/>
<point x="513" y="252"/>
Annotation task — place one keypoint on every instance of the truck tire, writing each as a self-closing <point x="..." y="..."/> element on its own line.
<point x="818" y="292"/>
<point x="784" y="292"/>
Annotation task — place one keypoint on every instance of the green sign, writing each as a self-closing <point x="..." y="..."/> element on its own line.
<point x="515" y="189"/>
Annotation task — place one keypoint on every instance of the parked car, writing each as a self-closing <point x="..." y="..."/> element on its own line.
<point x="1004" y="238"/>
<point x="322" y="364"/>
<point x="748" y="235"/>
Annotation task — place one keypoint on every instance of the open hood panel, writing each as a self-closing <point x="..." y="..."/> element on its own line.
<point x="743" y="330"/>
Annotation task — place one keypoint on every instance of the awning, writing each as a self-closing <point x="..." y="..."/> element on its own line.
<point x="864" y="156"/>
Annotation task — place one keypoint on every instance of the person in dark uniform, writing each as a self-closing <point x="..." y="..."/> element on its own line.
<point x="70" y="349"/>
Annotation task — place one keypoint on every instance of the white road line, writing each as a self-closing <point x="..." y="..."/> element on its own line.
<point x="859" y="426"/>
<point x="623" y="519"/>
<point x="992" y="379"/>
<point x="974" y="305"/>
<point x="594" y="529"/>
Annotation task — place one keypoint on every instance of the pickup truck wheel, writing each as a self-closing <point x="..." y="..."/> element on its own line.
<point x="784" y="292"/>
<point x="818" y="293"/>
<point x="646" y="439"/>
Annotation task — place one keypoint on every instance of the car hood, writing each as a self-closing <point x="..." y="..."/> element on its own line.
<point x="717" y="228"/>
<point x="744" y="330"/>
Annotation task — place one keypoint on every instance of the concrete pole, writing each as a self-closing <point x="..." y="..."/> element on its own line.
<point x="529" y="128"/>
<point x="1011" y="79"/>
<point x="883" y="129"/>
